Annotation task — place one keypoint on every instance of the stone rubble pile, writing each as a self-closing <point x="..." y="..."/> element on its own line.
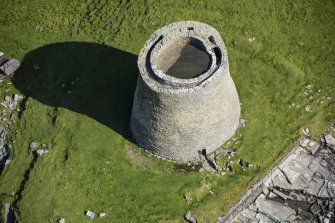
<point x="62" y="220"/>
<point x="210" y="162"/>
<point x="300" y="189"/>
<point x="7" y="118"/>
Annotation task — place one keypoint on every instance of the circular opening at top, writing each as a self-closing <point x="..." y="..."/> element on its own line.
<point x="185" y="58"/>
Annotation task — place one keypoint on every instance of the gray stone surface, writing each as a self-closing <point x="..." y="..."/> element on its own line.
<point x="330" y="140"/>
<point x="301" y="188"/>
<point x="40" y="152"/>
<point x="62" y="220"/>
<point x="174" y="117"/>
<point x="10" y="66"/>
<point x="32" y="145"/>
<point x="189" y="218"/>
<point x="89" y="214"/>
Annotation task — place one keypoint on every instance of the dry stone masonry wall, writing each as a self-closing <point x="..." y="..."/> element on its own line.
<point x="185" y="100"/>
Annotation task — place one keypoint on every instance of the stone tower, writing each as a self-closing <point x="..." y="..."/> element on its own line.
<point x="185" y="99"/>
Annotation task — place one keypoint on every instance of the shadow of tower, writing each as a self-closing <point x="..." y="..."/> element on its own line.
<point x="91" y="79"/>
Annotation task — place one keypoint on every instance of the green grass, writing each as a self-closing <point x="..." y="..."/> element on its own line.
<point x="91" y="48"/>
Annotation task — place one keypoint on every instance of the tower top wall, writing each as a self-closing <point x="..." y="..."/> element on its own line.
<point x="185" y="99"/>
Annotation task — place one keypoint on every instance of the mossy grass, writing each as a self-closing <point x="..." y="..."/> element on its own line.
<point x="79" y="73"/>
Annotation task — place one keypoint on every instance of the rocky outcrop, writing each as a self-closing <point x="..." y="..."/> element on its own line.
<point x="301" y="188"/>
<point x="7" y="118"/>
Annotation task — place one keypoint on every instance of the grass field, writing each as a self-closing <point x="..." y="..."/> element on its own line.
<point x="79" y="74"/>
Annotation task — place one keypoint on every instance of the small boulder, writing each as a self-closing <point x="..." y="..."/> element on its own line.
<point x="15" y="97"/>
<point x="7" y="162"/>
<point x="330" y="140"/>
<point x="190" y="218"/>
<point x="62" y="220"/>
<point x="33" y="145"/>
<point x="102" y="214"/>
<point x="40" y="152"/>
<point x="306" y="131"/>
<point x="187" y="198"/>
<point x="242" y="123"/>
<point x="89" y="214"/>
<point x="308" y="108"/>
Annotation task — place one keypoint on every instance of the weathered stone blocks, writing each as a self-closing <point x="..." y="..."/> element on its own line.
<point x="185" y="99"/>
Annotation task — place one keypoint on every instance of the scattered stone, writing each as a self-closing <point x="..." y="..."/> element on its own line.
<point x="309" y="86"/>
<point x="40" y="152"/>
<point x="308" y="108"/>
<point x="243" y="163"/>
<point x="252" y="39"/>
<point x="230" y="153"/>
<point x="102" y="214"/>
<point x="306" y="131"/>
<point x="330" y="140"/>
<point x="90" y="214"/>
<point x="229" y="167"/>
<point x="4" y="155"/>
<point x="207" y="162"/>
<point x="7" y="162"/>
<point x="242" y="123"/>
<point x="33" y="145"/>
<point x="15" y="97"/>
<point x="190" y="218"/>
<point x="62" y="220"/>
<point x="187" y="198"/>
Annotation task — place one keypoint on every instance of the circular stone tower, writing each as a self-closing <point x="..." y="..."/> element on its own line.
<point x="185" y="99"/>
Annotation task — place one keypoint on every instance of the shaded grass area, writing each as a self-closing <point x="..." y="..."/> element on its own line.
<point x="79" y="73"/>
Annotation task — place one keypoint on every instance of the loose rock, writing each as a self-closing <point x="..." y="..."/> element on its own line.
<point x="90" y="214"/>
<point x="33" y="145"/>
<point x="190" y="218"/>
<point x="40" y="152"/>
<point x="242" y="123"/>
<point x="308" y="108"/>
<point x="62" y="220"/>
<point x="102" y="214"/>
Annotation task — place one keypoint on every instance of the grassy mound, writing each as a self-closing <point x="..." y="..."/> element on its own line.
<point x="79" y="73"/>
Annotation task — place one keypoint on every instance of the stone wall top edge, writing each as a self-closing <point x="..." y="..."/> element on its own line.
<point x="181" y="88"/>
